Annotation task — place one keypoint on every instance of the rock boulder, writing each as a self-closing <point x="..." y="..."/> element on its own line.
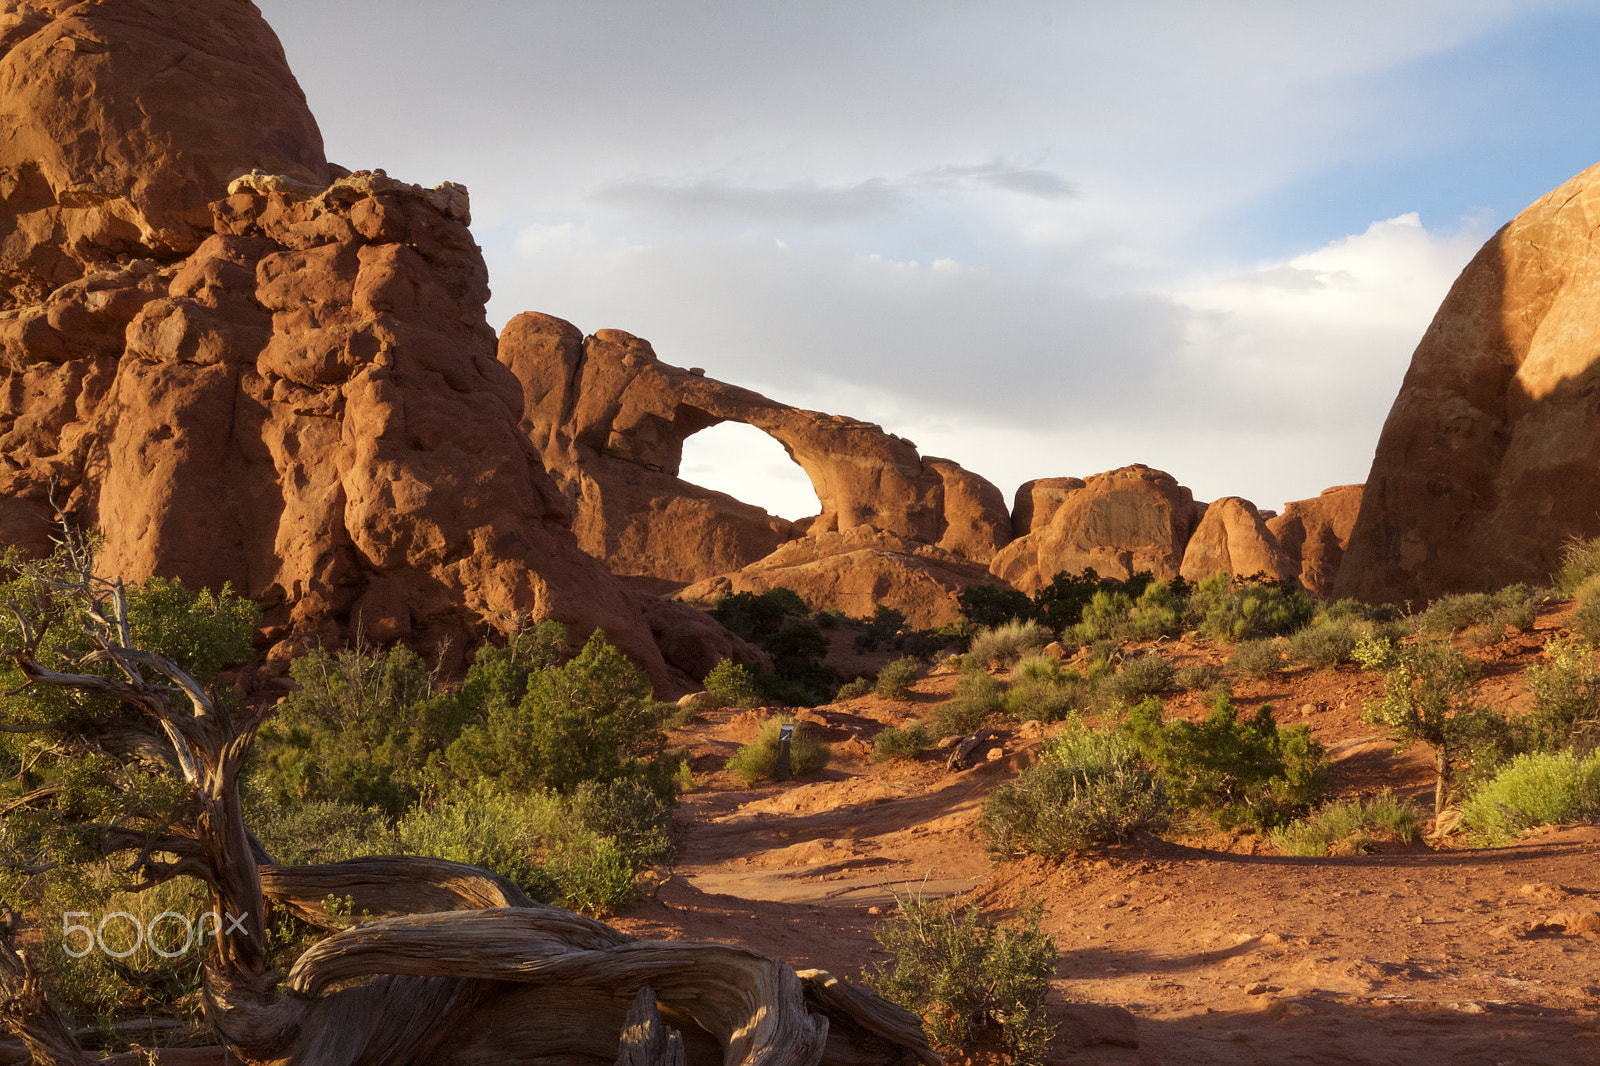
<point x="1120" y="523"/>
<point x="1233" y="537"/>
<point x="1314" y="534"/>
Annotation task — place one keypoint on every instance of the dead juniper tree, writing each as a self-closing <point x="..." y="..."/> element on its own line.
<point x="457" y="965"/>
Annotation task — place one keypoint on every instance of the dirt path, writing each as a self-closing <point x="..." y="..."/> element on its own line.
<point x="1206" y="951"/>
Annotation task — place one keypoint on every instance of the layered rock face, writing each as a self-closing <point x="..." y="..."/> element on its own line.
<point x="1486" y="464"/>
<point x="1314" y="534"/>
<point x="293" y="389"/>
<point x="610" y="419"/>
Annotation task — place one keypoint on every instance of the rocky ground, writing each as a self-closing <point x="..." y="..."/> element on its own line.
<point x="1207" y="947"/>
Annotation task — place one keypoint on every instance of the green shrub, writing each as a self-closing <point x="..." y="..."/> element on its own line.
<point x="1535" y="789"/>
<point x="592" y="719"/>
<point x="317" y="831"/>
<point x="1566" y="697"/>
<point x="1088" y="788"/>
<point x="1259" y="659"/>
<point x="1046" y="701"/>
<point x="1323" y="644"/>
<point x="960" y="975"/>
<point x="885" y="629"/>
<point x="977" y="697"/>
<point x="1428" y="689"/>
<point x="896" y="678"/>
<point x="758" y="760"/>
<point x="359" y="728"/>
<point x="1580" y="561"/>
<point x="1005" y="644"/>
<point x="1144" y="675"/>
<point x="1197" y="676"/>
<point x="756" y="616"/>
<point x="1245" y="608"/>
<point x="990" y="606"/>
<point x="1482" y="616"/>
<point x="901" y="742"/>
<point x="556" y="849"/>
<point x="855" y="688"/>
<point x="732" y="684"/>
<point x="1119" y="614"/>
<point x="1249" y="771"/>
<point x="1585" y="621"/>
<point x="1344" y="828"/>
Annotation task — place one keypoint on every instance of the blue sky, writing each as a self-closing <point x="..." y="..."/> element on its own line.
<point x="1040" y="239"/>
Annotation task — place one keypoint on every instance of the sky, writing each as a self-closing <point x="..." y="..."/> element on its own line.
<point x="1040" y="239"/>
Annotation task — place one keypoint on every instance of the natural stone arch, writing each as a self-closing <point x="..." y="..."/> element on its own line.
<point x="728" y="452"/>
<point x="610" y="420"/>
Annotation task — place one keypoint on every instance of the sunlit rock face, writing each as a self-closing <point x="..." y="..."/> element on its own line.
<point x="1487" y="463"/>
<point x="243" y="365"/>
<point x="610" y="419"/>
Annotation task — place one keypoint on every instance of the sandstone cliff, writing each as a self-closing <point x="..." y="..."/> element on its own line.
<point x="287" y="383"/>
<point x="1486" y="464"/>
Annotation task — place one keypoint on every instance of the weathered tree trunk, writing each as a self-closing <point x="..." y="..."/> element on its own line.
<point x="459" y="967"/>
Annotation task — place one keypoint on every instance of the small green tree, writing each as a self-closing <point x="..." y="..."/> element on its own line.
<point x="591" y="719"/>
<point x="1427" y="697"/>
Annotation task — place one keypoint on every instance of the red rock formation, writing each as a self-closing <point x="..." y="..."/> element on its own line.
<point x="1120" y="523"/>
<point x="1037" y="502"/>
<point x="1487" y="462"/>
<point x="610" y="420"/>
<point x="306" y="402"/>
<point x="124" y="120"/>
<point x="855" y="572"/>
<point x="1233" y="537"/>
<point x="1314" y="533"/>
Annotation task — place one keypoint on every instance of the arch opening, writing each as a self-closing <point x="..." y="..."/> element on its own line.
<point x="749" y="465"/>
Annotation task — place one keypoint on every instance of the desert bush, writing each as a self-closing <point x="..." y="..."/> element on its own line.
<point x="1349" y="828"/>
<point x="1534" y="789"/>
<point x="1144" y="675"/>
<point x="591" y="719"/>
<point x="799" y="677"/>
<point x="896" y="678"/>
<point x="1047" y="701"/>
<point x="1323" y="644"/>
<point x="1119" y="614"/>
<point x="854" y="688"/>
<point x="961" y="975"/>
<point x="990" y="606"/>
<point x="1428" y="689"/>
<point x="1566" y="698"/>
<point x="317" y="831"/>
<point x="1240" y="771"/>
<point x="529" y="839"/>
<point x="977" y="697"/>
<point x="1580" y="561"/>
<point x="1005" y="644"/>
<point x="1256" y="658"/>
<point x="1088" y="788"/>
<point x="1197" y="676"/>
<point x="885" y="629"/>
<point x="901" y="742"/>
<point x="359" y="728"/>
<point x="732" y="684"/>
<point x="757" y="616"/>
<point x="758" y="760"/>
<point x="1484" y="617"/>
<point x="1585" y="621"/>
<point x="1245" y="608"/>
